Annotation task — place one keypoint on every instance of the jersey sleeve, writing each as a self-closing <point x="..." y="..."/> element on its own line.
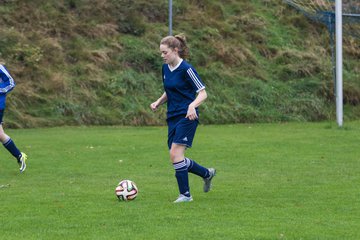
<point x="7" y="83"/>
<point x="194" y="79"/>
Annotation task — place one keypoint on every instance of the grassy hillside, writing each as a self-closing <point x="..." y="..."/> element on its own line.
<point x="97" y="62"/>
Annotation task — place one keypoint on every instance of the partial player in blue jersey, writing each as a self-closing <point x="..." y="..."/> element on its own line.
<point x="184" y="93"/>
<point x="6" y="85"/>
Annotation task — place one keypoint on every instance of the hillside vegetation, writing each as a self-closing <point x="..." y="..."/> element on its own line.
<point x="97" y="62"/>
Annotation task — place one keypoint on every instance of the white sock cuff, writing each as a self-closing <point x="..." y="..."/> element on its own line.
<point x="179" y="165"/>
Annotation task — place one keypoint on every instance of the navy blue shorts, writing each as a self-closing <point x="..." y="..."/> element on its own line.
<point x="181" y="130"/>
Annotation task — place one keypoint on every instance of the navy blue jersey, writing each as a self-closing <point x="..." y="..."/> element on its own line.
<point x="181" y="85"/>
<point x="7" y="83"/>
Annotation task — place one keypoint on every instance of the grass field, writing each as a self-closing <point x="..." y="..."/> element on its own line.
<point x="274" y="181"/>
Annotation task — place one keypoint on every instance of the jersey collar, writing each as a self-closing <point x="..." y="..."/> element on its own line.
<point x="172" y="69"/>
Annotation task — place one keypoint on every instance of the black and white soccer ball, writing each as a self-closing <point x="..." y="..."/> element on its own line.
<point x="126" y="190"/>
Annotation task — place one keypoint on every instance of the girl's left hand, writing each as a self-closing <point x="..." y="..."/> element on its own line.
<point x="191" y="113"/>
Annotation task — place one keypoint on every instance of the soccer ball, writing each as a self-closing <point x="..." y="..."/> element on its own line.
<point x="126" y="190"/>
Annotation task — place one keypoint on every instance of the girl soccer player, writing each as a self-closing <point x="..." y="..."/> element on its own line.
<point x="184" y="93"/>
<point x="6" y="85"/>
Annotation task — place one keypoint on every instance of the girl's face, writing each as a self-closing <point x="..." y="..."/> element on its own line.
<point x="168" y="55"/>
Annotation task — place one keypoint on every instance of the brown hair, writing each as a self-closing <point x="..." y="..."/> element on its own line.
<point x="179" y="42"/>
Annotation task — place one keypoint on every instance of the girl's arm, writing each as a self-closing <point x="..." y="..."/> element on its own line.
<point x="200" y="98"/>
<point x="7" y="83"/>
<point x="158" y="102"/>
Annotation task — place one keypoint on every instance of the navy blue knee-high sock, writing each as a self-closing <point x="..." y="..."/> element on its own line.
<point x="182" y="177"/>
<point x="197" y="169"/>
<point x="11" y="147"/>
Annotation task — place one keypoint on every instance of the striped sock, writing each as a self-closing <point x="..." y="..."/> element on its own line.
<point x="197" y="169"/>
<point x="182" y="177"/>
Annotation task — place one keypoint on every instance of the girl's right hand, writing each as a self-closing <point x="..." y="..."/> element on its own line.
<point x="154" y="106"/>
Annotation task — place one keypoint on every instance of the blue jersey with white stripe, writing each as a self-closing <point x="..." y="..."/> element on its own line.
<point x="181" y="85"/>
<point x="7" y="83"/>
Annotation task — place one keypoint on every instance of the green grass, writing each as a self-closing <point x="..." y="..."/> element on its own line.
<point x="274" y="181"/>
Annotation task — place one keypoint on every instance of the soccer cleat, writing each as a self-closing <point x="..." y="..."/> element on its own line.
<point x="183" y="198"/>
<point x="22" y="162"/>
<point x="207" y="181"/>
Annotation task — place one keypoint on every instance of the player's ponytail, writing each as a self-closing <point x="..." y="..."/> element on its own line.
<point x="183" y="49"/>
